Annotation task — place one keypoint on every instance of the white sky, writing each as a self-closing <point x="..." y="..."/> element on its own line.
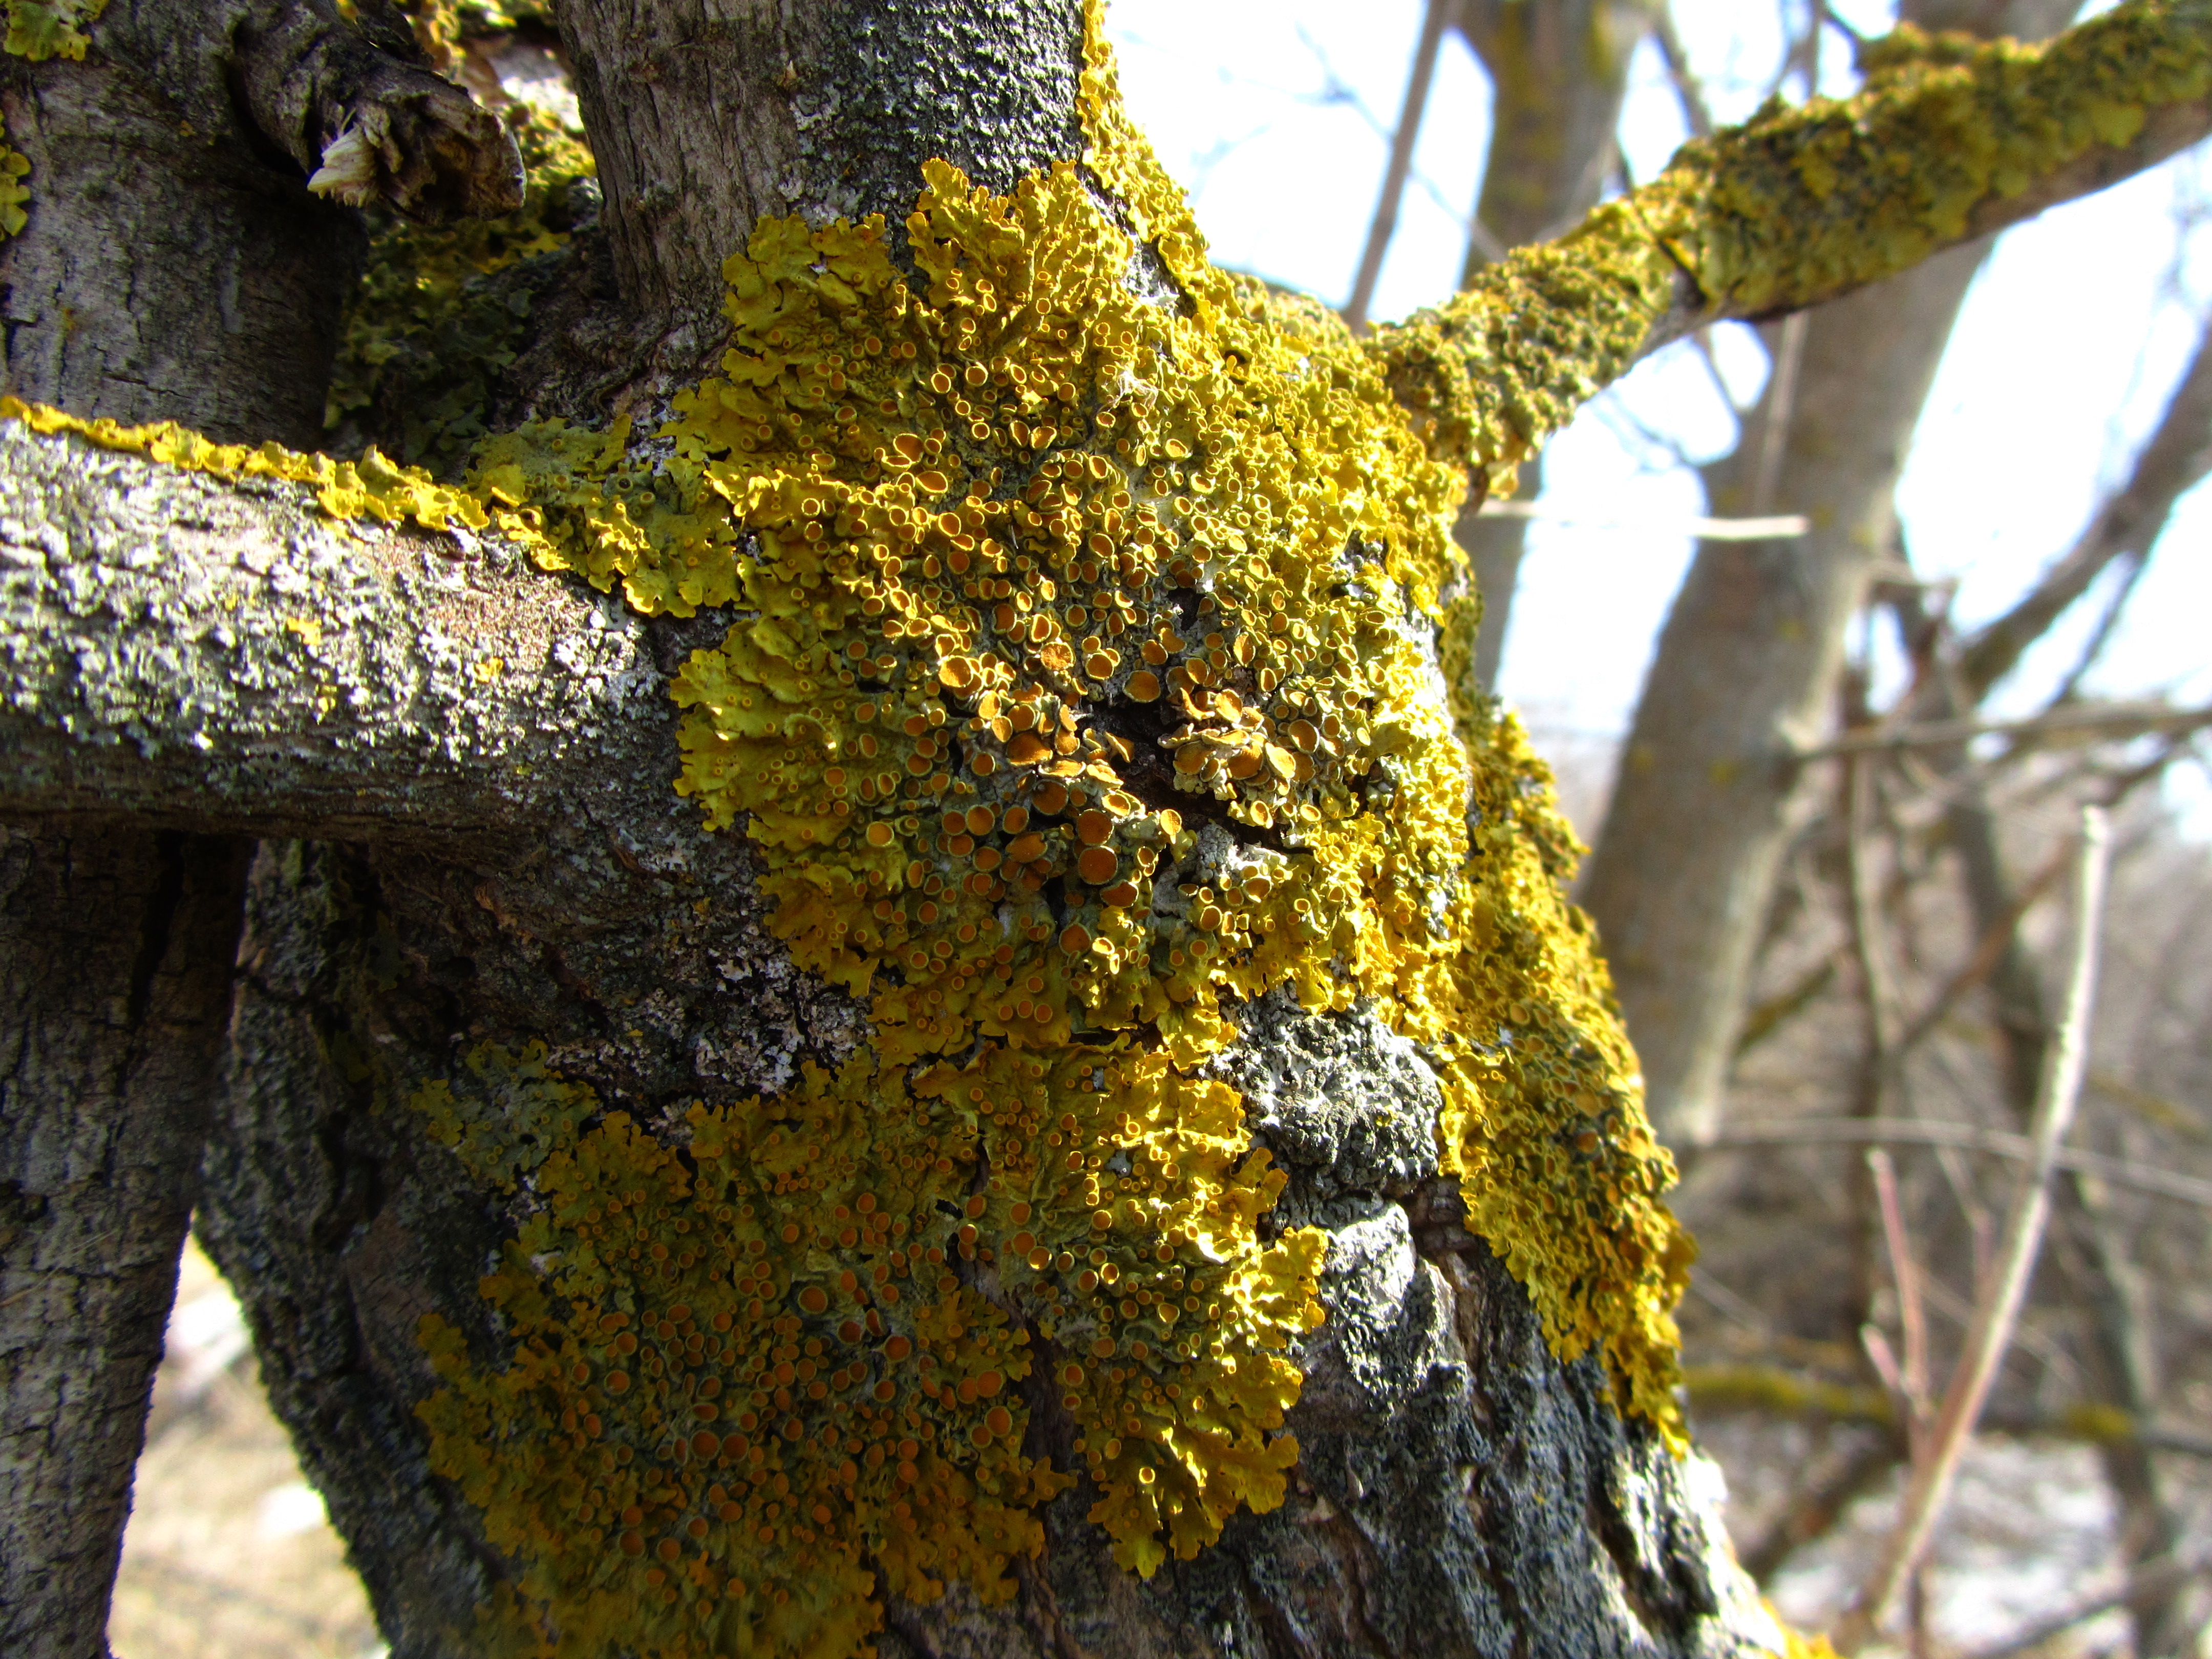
<point x="1275" y="113"/>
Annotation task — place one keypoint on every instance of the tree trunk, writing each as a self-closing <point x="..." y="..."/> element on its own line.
<point x="172" y="267"/>
<point x="1459" y="1488"/>
<point x="508" y="1063"/>
<point x="1708" y="793"/>
<point x="115" y="952"/>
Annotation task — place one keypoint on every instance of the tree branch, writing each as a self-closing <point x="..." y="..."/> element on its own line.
<point x="2094" y="721"/>
<point x="212" y="653"/>
<point x="2177" y="455"/>
<point x="1803" y="206"/>
<point x="1384" y="225"/>
<point x="1968" y="1137"/>
<point x="1997" y="1305"/>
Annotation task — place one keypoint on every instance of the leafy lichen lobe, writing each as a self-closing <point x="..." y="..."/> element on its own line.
<point x="1087" y="687"/>
<point x="1083" y="691"/>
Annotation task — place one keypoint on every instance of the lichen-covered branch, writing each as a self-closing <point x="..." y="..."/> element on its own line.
<point x="1951" y="140"/>
<point x="208" y="652"/>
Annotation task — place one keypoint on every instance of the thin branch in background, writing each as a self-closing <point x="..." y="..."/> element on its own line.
<point x="1689" y="92"/>
<point x="2108" y="621"/>
<point x="1820" y="1506"/>
<point x="1769" y="1016"/>
<point x="2127" y="523"/>
<point x="1701" y="341"/>
<point x="1736" y="1308"/>
<point x="1967" y="1137"/>
<point x="2126" y="720"/>
<point x="1384" y="225"/>
<point x="1989" y="950"/>
<point x="1780" y="405"/>
<point x="1997" y="1302"/>
<point x="1904" y="1273"/>
<point x="2158" y="1577"/>
<point x="1866" y="932"/>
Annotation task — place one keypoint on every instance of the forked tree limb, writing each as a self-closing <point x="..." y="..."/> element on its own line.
<point x="1997" y="1303"/>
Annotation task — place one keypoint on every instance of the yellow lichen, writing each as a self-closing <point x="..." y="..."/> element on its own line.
<point x="40" y="29"/>
<point x="1083" y="690"/>
<point x="371" y="488"/>
<point x="14" y="168"/>
<point x="1081" y="686"/>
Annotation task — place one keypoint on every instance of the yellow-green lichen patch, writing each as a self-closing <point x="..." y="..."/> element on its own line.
<point x="442" y="309"/>
<point x="1082" y="685"/>
<point x="1797" y="206"/>
<point x="756" y="1381"/>
<point x="14" y="168"/>
<point x="1085" y="686"/>
<point x="371" y="488"/>
<point x="40" y="29"/>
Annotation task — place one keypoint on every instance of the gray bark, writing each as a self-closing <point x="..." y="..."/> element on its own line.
<point x="174" y="265"/>
<point x="115" y="951"/>
<point x="211" y="654"/>
<point x="704" y="123"/>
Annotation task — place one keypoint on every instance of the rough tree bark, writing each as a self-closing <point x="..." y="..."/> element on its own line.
<point x="176" y="267"/>
<point x="1458" y="1485"/>
<point x="116" y="944"/>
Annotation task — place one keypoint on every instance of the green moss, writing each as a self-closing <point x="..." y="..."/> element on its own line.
<point x="442" y="310"/>
<point x="14" y="168"/>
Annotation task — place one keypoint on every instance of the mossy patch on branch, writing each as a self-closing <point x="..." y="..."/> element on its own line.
<point x="442" y="309"/>
<point x="15" y="167"/>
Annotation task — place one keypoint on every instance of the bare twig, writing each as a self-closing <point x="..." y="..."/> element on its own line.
<point x="1769" y="1016"/>
<point x="1968" y="1137"/>
<point x="1780" y="526"/>
<point x="1988" y="951"/>
<point x="1912" y="1377"/>
<point x="1774" y="1390"/>
<point x="1998" y="1304"/>
<point x="2132" y="720"/>
<point x="1688" y="91"/>
<point x="1384" y="225"/>
<point x="1780" y="404"/>
<point x="2127" y="523"/>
